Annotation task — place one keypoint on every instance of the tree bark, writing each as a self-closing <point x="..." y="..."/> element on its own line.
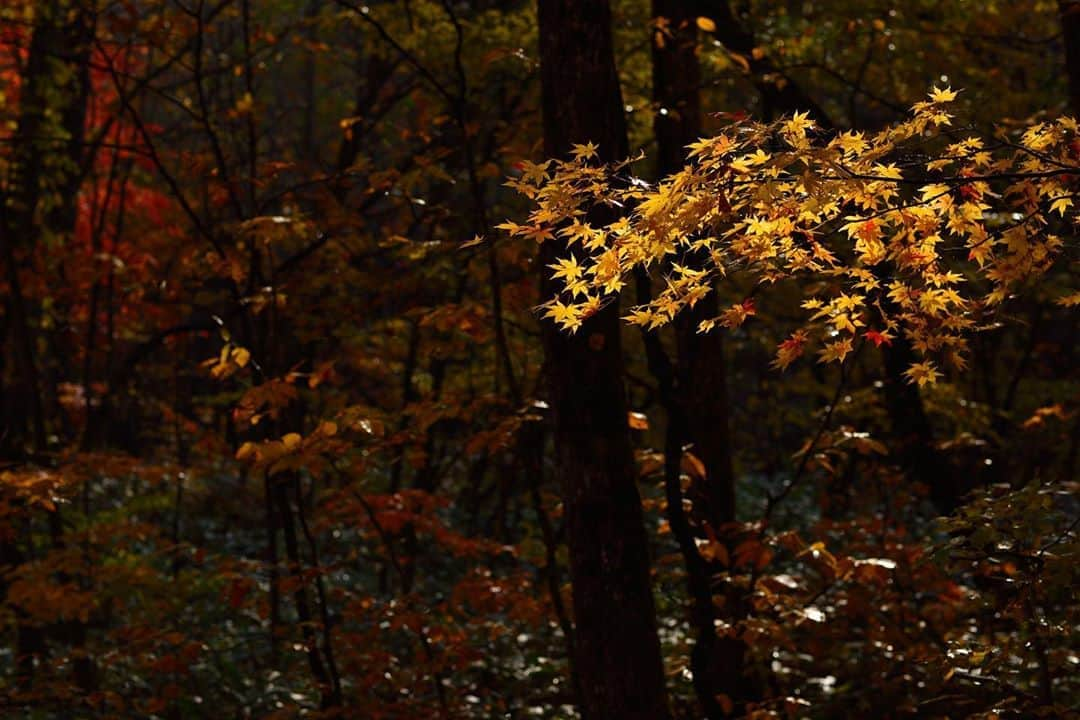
<point x="618" y="650"/>
<point x="694" y="387"/>
<point x="700" y="388"/>
<point x="53" y="102"/>
<point x="779" y="94"/>
<point x="1070" y="30"/>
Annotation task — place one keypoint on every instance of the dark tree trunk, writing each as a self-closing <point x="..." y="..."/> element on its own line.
<point x="618" y="651"/>
<point x="914" y="445"/>
<point x="694" y="389"/>
<point x="779" y="94"/>
<point x="53" y="103"/>
<point x="700" y="387"/>
<point x="676" y="83"/>
<point x="1070" y="30"/>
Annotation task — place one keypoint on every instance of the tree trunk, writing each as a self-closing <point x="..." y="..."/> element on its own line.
<point x="778" y="93"/>
<point x="1070" y="30"/>
<point x="695" y="389"/>
<point x="700" y="387"/>
<point x="618" y="651"/>
<point x="53" y="102"/>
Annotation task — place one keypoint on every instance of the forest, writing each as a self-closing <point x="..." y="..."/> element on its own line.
<point x="566" y="359"/>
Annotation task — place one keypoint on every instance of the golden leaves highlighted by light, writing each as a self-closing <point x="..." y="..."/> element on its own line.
<point x="777" y="202"/>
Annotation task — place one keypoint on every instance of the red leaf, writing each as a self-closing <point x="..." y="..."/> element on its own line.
<point x="878" y="338"/>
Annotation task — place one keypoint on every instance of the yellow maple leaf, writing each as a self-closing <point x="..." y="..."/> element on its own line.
<point x="584" y="152"/>
<point x="922" y="373"/>
<point x="736" y="315"/>
<point x="942" y="95"/>
<point x="789" y="350"/>
<point x="1061" y="205"/>
<point x="798" y="124"/>
<point x="836" y="351"/>
<point x="566" y="268"/>
<point x="564" y="315"/>
<point x="851" y="142"/>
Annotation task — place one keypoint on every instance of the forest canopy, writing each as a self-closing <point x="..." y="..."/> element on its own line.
<point x="452" y="359"/>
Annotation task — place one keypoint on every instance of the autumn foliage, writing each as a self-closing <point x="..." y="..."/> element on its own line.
<point x="556" y="359"/>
